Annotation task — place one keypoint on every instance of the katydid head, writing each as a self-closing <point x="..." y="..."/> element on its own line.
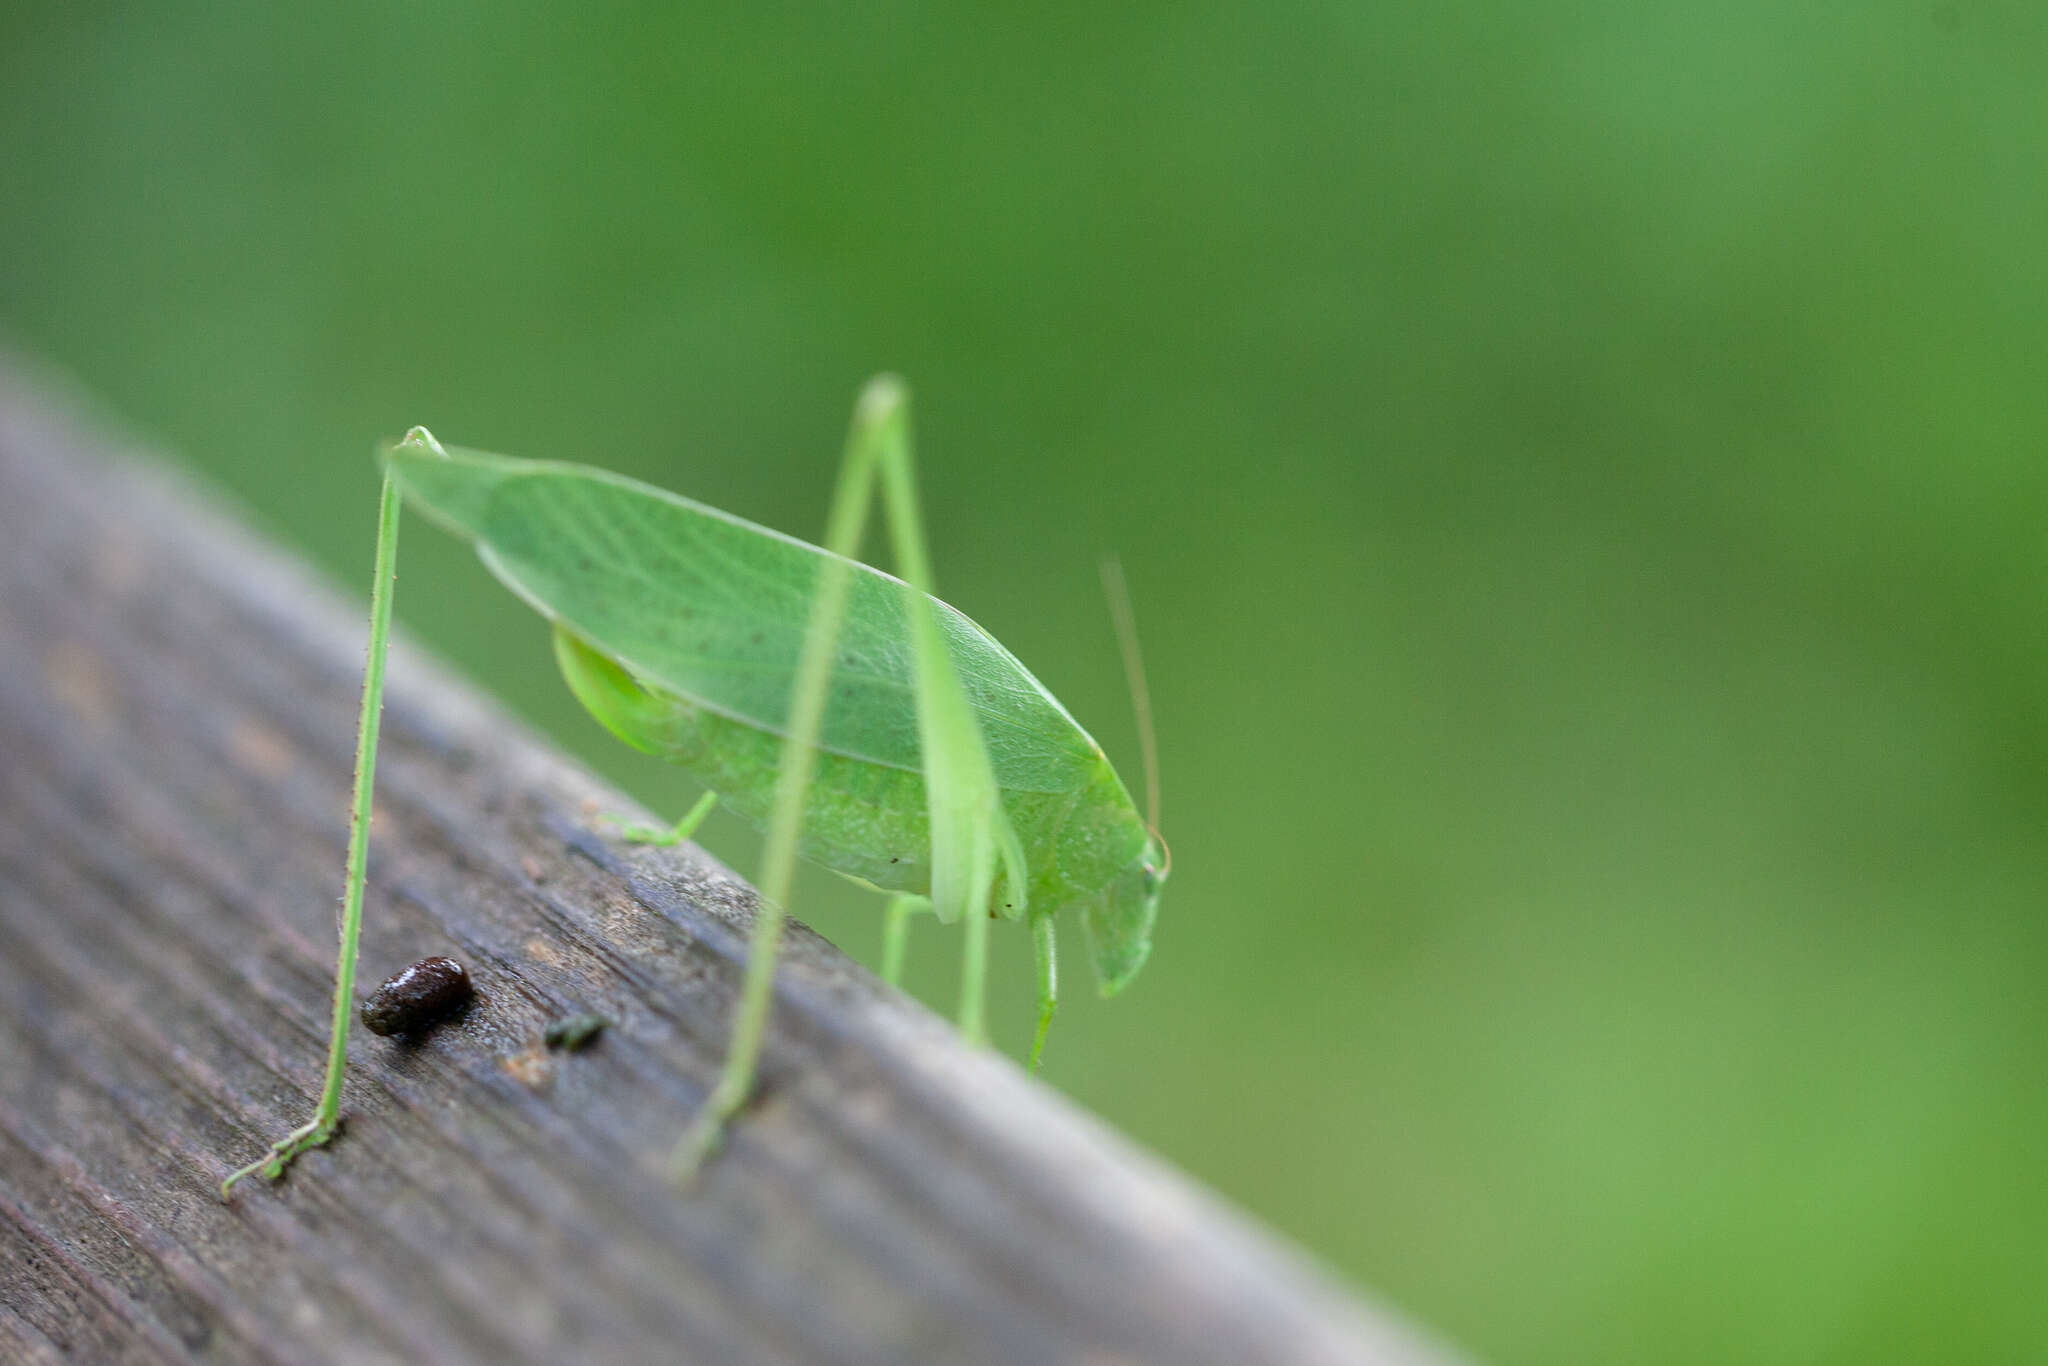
<point x="1120" y="919"/>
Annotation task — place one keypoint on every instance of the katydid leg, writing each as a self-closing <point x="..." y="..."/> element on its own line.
<point x="969" y="830"/>
<point x="665" y="836"/>
<point x="896" y="932"/>
<point x="974" y="977"/>
<point x="327" y="1115"/>
<point x="1047" y="953"/>
<point x="876" y="415"/>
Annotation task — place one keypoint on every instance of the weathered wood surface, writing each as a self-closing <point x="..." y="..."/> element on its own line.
<point x="177" y="704"/>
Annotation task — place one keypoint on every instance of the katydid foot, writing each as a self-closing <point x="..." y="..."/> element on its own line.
<point x="663" y="837"/>
<point x="308" y="1136"/>
<point x="706" y="1134"/>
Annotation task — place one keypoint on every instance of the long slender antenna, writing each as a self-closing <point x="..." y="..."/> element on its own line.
<point x="1126" y="622"/>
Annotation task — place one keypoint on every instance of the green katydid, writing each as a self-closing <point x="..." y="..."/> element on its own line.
<point x="869" y="726"/>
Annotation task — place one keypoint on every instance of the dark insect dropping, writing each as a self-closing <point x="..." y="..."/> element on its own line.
<point x="415" y="998"/>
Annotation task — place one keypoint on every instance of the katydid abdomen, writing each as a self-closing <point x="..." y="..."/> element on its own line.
<point x="862" y="818"/>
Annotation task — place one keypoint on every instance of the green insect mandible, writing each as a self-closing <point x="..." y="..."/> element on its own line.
<point x="867" y="725"/>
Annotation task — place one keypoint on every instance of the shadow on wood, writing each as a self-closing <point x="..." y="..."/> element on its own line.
<point x="177" y="710"/>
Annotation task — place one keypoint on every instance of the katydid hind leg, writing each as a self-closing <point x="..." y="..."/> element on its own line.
<point x="972" y="839"/>
<point x="327" y="1113"/>
<point x="974" y="948"/>
<point x="878" y="424"/>
<point x="971" y="834"/>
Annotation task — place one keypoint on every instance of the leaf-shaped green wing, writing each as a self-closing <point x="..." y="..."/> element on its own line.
<point x="714" y="608"/>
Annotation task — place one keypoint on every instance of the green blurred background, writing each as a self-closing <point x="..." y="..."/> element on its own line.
<point x="1581" y="471"/>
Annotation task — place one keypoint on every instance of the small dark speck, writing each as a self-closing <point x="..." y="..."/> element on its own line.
<point x="895" y="860"/>
<point x="195" y="1333"/>
<point x="572" y="1033"/>
<point x="411" y="1000"/>
<point x="758" y="637"/>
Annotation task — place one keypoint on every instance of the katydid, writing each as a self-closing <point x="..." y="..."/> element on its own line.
<point x="868" y="726"/>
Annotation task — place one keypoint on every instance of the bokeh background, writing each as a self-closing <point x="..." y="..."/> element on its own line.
<point x="1581" y="471"/>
